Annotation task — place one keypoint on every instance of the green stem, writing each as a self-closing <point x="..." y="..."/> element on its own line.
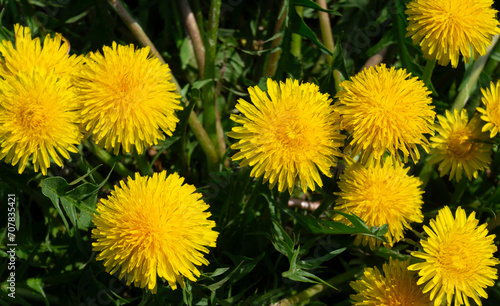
<point x="319" y="289"/>
<point x="339" y="78"/>
<point x="471" y="85"/>
<point x="429" y="68"/>
<point x="142" y="163"/>
<point x="296" y="44"/>
<point x="209" y="98"/>
<point x="194" y="33"/>
<point x="202" y="136"/>
<point x="425" y="174"/>
<point x="399" y="27"/>
<point x="326" y="30"/>
<point x="274" y="56"/>
<point x="109" y="160"/>
<point x="459" y="191"/>
<point x="492" y="60"/>
<point x="199" y="18"/>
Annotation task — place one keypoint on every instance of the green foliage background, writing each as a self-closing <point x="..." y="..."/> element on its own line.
<point x="267" y="251"/>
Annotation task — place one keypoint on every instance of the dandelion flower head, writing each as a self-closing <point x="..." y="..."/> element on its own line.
<point x="491" y="110"/>
<point x="397" y="286"/>
<point x="127" y="98"/>
<point x="380" y="194"/>
<point x="290" y="132"/>
<point x="447" y="28"/>
<point x="460" y="145"/>
<point x="37" y="119"/>
<point x="28" y="54"/>
<point x="458" y="259"/>
<point x="385" y="109"/>
<point x="153" y="226"/>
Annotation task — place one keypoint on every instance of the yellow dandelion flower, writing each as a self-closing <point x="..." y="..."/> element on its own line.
<point x="37" y="118"/>
<point x="28" y="54"/>
<point x="458" y="258"/>
<point x="444" y="29"/>
<point x="385" y="110"/>
<point x="396" y="286"/>
<point x="380" y="194"/>
<point x="491" y="115"/>
<point x="460" y="146"/>
<point x="287" y="133"/>
<point x="153" y="226"/>
<point x="127" y="98"/>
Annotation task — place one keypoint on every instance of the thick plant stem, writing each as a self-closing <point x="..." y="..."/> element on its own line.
<point x="429" y="68"/>
<point x="375" y="59"/>
<point x="209" y="97"/>
<point x="319" y="289"/>
<point x="327" y="37"/>
<point x="109" y="160"/>
<point x="326" y="30"/>
<point x="274" y="56"/>
<point x="142" y="163"/>
<point x="296" y="44"/>
<point x="471" y="85"/>
<point x="492" y="60"/>
<point x="202" y="136"/>
<point x="193" y="121"/>
<point x="194" y="33"/>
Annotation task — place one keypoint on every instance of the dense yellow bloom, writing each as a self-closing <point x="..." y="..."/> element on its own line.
<point x="491" y="112"/>
<point x="446" y="28"/>
<point x="127" y="98"/>
<point x="396" y="287"/>
<point x="287" y="133"/>
<point x="153" y="226"/>
<point x="385" y="110"/>
<point x="458" y="258"/>
<point x="380" y="194"/>
<point x="460" y="145"/>
<point x="28" y="54"/>
<point x="37" y="118"/>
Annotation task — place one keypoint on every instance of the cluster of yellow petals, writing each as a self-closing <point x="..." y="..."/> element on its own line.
<point x="395" y="286"/>
<point x="460" y="145"/>
<point x="153" y="226"/>
<point x="458" y="258"/>
<point x="289" y="133"/>
<point x="38" y="109"/>
<point x="447" y="28"/>
<point x="127" y="98"/>
<point x="385" y="110"/>
<point x="380" y="194"/>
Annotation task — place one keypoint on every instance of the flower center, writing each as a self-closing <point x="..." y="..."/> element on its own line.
<point x="291" y="132"/>
<point x="460" y="145"/>
<point x="32" y="120"/>
<point x="127" y="91"/>
<point x="456" y="257"/>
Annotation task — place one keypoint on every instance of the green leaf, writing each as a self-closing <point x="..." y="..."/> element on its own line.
<point x="77" y="17"/>
<point x="297" y="25"/>
<point x="202" y="83"/>
<point x="316" y="262"/>
<point x="52" y="188"/>
<point x="313" y="5"/>
<point x="317" y="226"/>
<point x="36" y="285"/>
<point x="281" y="241"/>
